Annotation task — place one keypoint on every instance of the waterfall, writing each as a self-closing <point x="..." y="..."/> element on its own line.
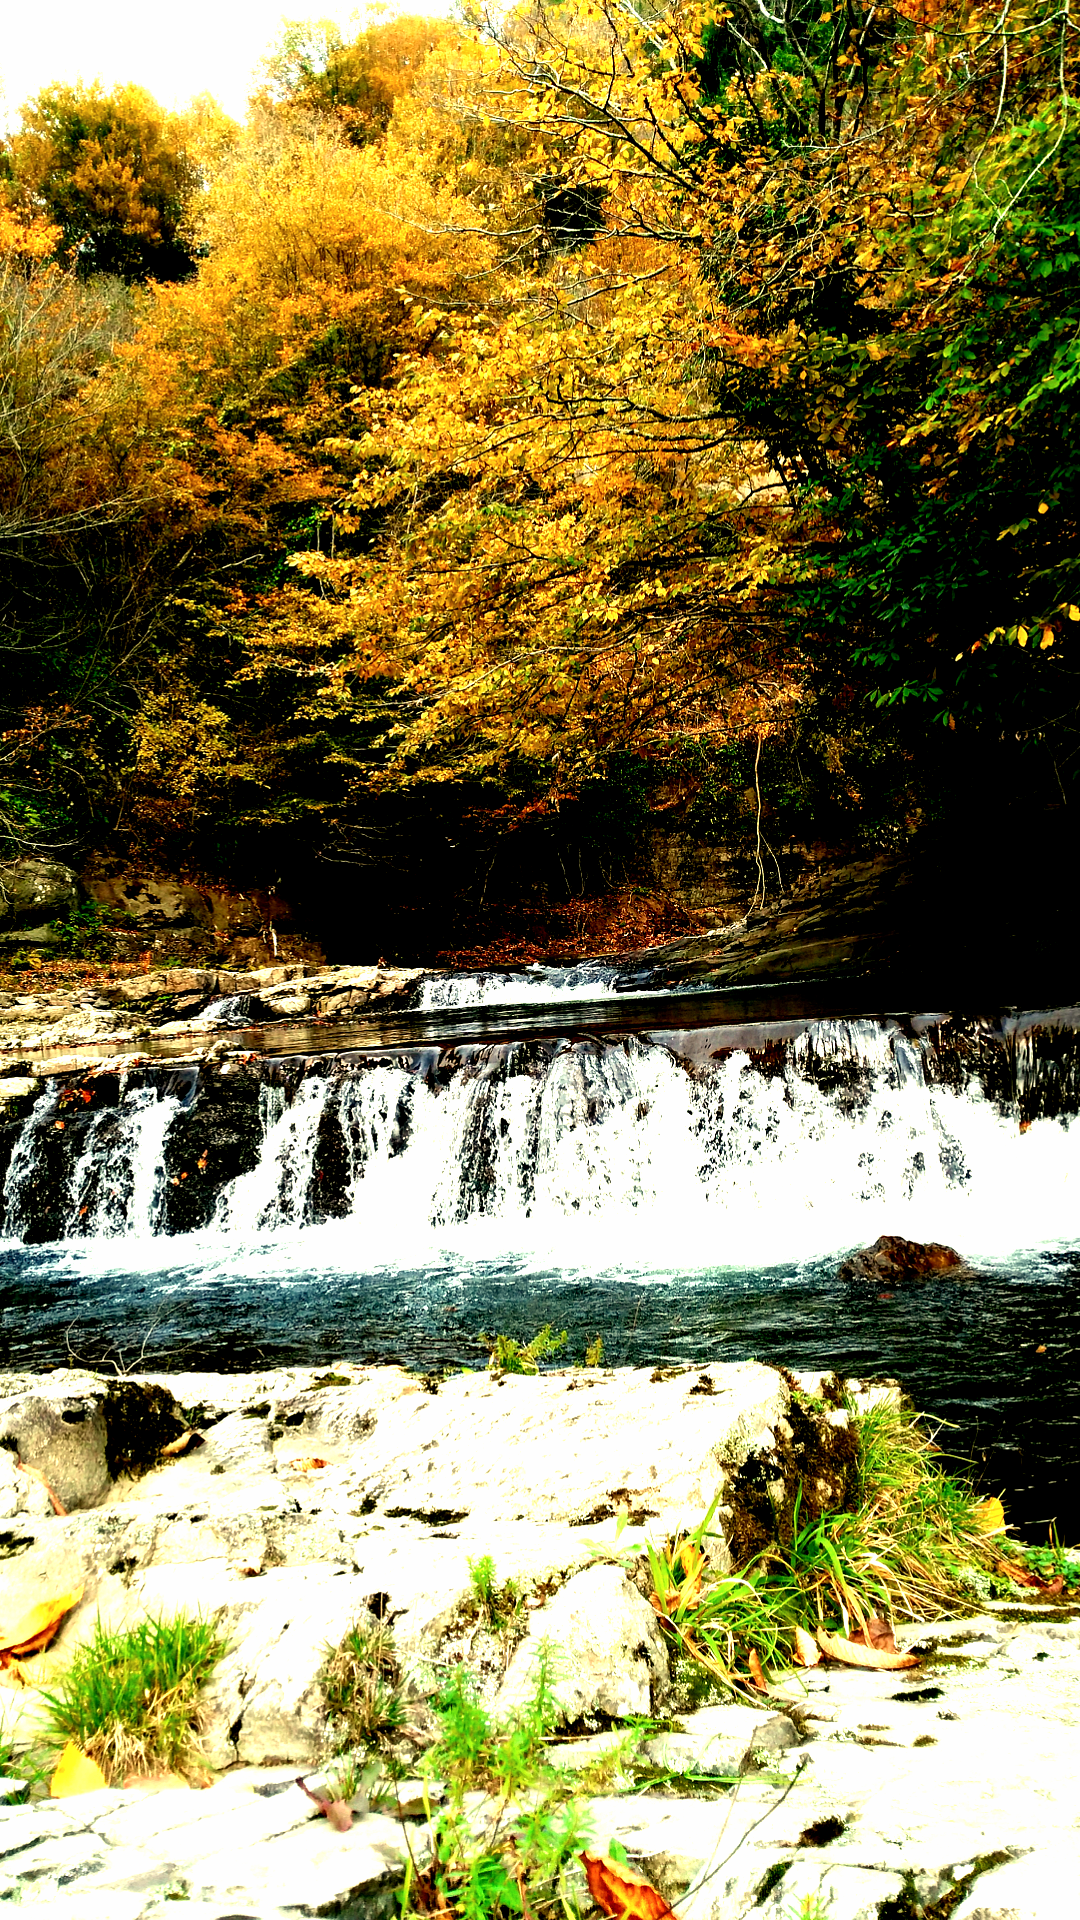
<point x="605" y="1150"/>
<point x="117" y="1181"/>
<point x="20" y="1179"/>
<point x="540" y="985"/>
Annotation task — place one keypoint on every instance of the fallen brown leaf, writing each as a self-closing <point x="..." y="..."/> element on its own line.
<point x="807" y="1651"/>
<point x="179" y="1445"/>
<point x="58" y="1506"/>
<point x="31" y="1630"/>
<point x="851" y="1654"/>
<point x="757" y="1671"/>
<point x="877" y="1633"/>
<point x="621" y="1892"/>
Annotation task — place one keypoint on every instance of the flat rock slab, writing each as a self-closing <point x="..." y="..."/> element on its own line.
<point x="253" y="1841"/>
<point x="316" y="1502"/>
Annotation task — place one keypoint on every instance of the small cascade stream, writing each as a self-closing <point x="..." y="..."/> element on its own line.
<point x="686" y="1197"/>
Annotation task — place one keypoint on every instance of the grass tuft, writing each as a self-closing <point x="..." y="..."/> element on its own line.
<point x="130" y="1698"/>
<point x="361" y="1684"/>
<point x="907" y="1550"/>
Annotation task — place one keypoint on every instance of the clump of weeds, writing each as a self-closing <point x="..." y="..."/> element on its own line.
<point x="906" y="1549"/>
<point x="512" y="1356"/>
<point x="512" y="1824"/>
<point x="362" y="1687"/>
<point x="130" y="1698"/>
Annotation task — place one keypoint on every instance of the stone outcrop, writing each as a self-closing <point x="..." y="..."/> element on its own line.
<point x="33" y="894"/>
<point x="201" y="1004"/>
<point x="305" y="1503"/>
<point x="893" y="1262"/>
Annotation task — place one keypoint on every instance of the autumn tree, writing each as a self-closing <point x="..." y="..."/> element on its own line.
<point x="315" y="69"/>
<point x="113" y="173"/>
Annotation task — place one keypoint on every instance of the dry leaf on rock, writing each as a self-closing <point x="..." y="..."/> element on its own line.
<point x="852" y="1653"/>
<point x="33" y="1629"/>
<point x="877" y="1633"/>
<point x="58" y="1506"/>
<point x="304" y="1465"/>
<point x="807" y="1652"/>
<point x="337" y="1813"/>
<point x="75" y="1773"/>
<point x="621" y="1892"/>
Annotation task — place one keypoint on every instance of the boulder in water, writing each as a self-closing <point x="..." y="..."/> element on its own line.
<point x="894" y="1261"/>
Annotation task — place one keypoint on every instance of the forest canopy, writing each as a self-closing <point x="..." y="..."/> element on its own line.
<point x="508" y="405"/>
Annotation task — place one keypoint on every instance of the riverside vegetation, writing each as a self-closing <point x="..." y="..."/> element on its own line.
<point x="508" y="433"/>
<point x="508" y="1821"/>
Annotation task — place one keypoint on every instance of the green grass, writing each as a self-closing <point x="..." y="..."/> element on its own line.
<point x="905" y="1551"/>
<point x="361" y="1684"/>
<point x="511" y="1356"/>
<point x="511" y="1858"/>
<point x="496" y="1605"/>
<point x="130" y="1698"/>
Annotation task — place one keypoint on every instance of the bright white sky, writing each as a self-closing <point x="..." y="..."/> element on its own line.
<point x="174" y="51"/>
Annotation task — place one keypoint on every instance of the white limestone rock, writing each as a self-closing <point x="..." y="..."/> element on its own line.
<point x="60" y="1430"/>
<point x="264" y="1703"/>
<point x="1042" y="1884"/>
<point x="608" y="1656"/>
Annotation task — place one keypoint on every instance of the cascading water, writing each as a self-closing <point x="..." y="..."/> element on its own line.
<point x="853" y="1135"/>
<point x="117" y="1182"/>
<point x="588" y="981"/>
<point x="536" y="984"/>
<point x="683" y="1198"/>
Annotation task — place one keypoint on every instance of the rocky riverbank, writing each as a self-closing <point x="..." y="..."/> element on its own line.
<point x="200" y="1006"/>
<point x="295" y="1505"/>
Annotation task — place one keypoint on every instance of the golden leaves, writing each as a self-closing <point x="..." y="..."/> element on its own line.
<point x="875" y="1648"/>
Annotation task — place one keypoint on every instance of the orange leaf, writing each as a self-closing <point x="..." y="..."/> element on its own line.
<point x="26" y="1632"/>
<point x="75" y="1773"/>
<point x="337" y="1813"/>
<point x="57" y="1504"/>
<point x="621" y="1892"/>
<point x="757" y="1671"/>
<point x="807" y="1651"/>
<point x="850" y="1654"/>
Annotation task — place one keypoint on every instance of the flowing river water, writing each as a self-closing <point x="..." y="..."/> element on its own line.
<point x="685" y="1190"/>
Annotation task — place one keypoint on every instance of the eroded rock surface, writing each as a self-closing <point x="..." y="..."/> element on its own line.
<point x="305" y="1501"/>
<point x="305" y="1504"/>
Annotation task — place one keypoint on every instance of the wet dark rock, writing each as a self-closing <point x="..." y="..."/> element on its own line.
<point x="893" y="1261"/>
<point x="812" y="1468"/>
<point x="141" y="1417"/>
<point x="212" y="1140"/>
